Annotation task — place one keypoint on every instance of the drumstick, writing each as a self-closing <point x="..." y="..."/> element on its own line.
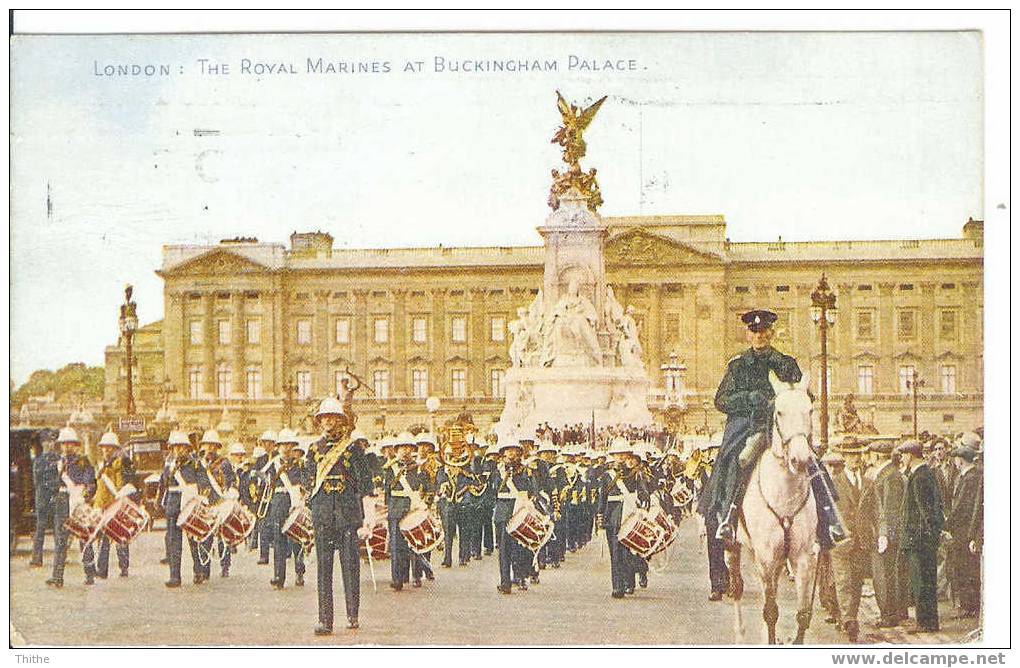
<point x="371" y="565"/>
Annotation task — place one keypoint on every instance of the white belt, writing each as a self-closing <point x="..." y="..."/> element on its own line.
<point x="506" y="495"/>
<point x="403" y="495"/>
<point x="615" y="497"/>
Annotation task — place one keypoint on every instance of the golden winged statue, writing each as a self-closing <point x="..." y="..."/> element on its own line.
<point x="571" y="137"/>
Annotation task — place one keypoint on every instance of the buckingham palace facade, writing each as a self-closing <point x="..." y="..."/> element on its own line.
<point x="265" y="329"/>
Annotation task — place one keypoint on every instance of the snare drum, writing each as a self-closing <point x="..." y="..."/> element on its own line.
<point x="668" y="528"/>
<point x="641" y="534"/>
<point x="682" y="493"/>
<point x="378" y="541"/>
<point x="197" y="519"/>
<point x="83" y="521"/>
<point x="530" y="527"/>
<point x="298" y="526"/>
<point x="236" y="522"/>
<point x="124" y="520"/>
<point x="422" y="530"/>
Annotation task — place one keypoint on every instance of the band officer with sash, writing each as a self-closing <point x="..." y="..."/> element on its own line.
<point x="342" y="480"/>
<point x="115" y="477"/>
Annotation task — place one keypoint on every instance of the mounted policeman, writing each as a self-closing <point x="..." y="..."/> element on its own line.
<point x="746" y="396"/>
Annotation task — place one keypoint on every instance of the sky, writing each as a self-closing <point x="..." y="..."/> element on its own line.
<point x="799" y="135"/>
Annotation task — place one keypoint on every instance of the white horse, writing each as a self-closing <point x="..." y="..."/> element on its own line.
<point x="778" y="516"/>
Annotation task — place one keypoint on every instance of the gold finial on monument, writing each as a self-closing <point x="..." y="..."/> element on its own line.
<point x="571" y="137"/>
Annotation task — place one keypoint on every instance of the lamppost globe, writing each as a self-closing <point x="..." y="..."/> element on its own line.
<point x="816" y="314"/>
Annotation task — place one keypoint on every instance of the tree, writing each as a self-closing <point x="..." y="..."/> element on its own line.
<point x="67" y="384"/>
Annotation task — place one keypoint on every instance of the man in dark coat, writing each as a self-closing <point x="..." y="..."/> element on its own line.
<point x="920" y="533"/>
<point x="745" y="395"/>
<point x="965" y="524"/>
<point x="888" y="563"/>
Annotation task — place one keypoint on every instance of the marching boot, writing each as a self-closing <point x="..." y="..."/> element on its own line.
<point x="323" y="630"/>
<point x="123" y="573"/>
<point x="618" y="594"/>
<point x="173" y="584"/>
<point x="56" y="583"/>
<point x="715" y="596"/>
<point x="504" y="589"/>
<point x="643" y="580"/>
<point x="416" y="583"/>
<point x="352" y="623"/>
<point x="300" y="582"/>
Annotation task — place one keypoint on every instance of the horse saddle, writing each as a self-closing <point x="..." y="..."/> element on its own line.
<point x="754" y="447"/>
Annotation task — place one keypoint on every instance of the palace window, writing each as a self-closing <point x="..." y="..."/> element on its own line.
<point x="906" y="325"/>
<point x="222" y="381"/>
<point x="381" y="330"/>
<point x="254" y="330"/>
<point x="865" y="379"/>
<point x="906" y="378"/>
<point x="303" y="382"/>
<point x="342" y="331"/>
<point x="782" y="288"/>
<point x="223" y="329"/>
<point x="419" y="330"/>
<point x="253" y="382"/>
<point x="742" y="289"/>
<point x="304" y="332"/>
<point x="496" y="386"/>
<point x="947" y="325"/>
<point x="864" y="287"/>
<point x="195" y="382"/>
<point x="458" y="329"/>
<point x="906" y="286"/>
<point x="381" y="383"/>
<point x="420" y="383"/>
<point x="497" y="326"/>
<point x="195" y="332"/>
<point x="458" y="383"/>
<point x="948" y="376"/>
<point x="672" y="327"/>
<point x="949" y="286"/>
<point x="948" y="417"/>
<point x="865" y="324"/>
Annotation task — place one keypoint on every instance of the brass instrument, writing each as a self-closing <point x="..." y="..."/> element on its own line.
<point x="267" y="492"/>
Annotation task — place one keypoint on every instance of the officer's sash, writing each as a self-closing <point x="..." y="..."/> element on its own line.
<point x="325" y="464"/>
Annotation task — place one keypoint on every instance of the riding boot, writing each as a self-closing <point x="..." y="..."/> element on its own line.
<point x="830" y="531"/>
<point x="727" y="531"/>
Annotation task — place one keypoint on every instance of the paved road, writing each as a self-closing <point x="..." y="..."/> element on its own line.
<point x="571" y="605"/>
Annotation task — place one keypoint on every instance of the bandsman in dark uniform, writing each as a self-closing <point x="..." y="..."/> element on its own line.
<point x="336" y="502"/>
<point x="446" y="485"/>
<point x="920" y="533"/>
<point x="510" y="483"/>
<point x="77" y="486"/>
<point x="262" y="534"/>
<point x="288" y="490"/>
<point x="115" y="477"/>
<point x="211" y="485"/>
<point x="621" y="490"/>
<point x="746" y="396"/>
<point x="45" y="483"/>
<point x="173" y="483"/>
<point x="548" y="483"/>
<point x="406" y="488"/>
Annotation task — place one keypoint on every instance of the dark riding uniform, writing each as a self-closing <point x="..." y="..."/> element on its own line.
<point x="746" y="396"/>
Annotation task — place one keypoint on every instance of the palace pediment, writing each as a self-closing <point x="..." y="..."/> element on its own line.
<point x="217" y="261"/>
<point x="642" y="248"/>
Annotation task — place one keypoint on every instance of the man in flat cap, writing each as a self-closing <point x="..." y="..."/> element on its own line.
<point x="888" y="564"/>
<point x="965" y="524"/>
<point x="745" y="395"/>
<point x="854" y="494"/>
<point x="920" y="533"/>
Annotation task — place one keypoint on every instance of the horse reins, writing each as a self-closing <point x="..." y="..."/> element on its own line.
<point x="784" y="522"/>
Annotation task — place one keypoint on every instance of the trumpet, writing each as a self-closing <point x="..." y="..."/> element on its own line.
<point x="267" y="491"/>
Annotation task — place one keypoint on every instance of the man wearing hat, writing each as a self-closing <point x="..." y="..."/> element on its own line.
<point x="173" y="481"/>
<point x="45" y="481"/>
<point x="286" y="490"/>
<point x="77" y="486"/>
<point x="509" y="482"/>
<point x="854" y="496"/>
<point x="341" y="483"/>
<point x="114" y="475"/>
<point x="446" y="486"/>
<point x="920" y="533"/>
<point x="262" y="534"/>
<point x="888" y="566"/>
<point x="965" y="525"/>
<point x="405" y="486"/>
<point x="553" y="479"/>
<point x="745" y="395"/>
<point x="621" y="486"/>
<point x="210" y="485"/>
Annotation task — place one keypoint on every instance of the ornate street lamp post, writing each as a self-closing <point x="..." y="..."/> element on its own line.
<point x="128" y="327"/>
<point x="823" y="314"/>
<point x="912" y="384"/>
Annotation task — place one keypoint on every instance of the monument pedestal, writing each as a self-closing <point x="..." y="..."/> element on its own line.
<point x="570" y="395"/>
